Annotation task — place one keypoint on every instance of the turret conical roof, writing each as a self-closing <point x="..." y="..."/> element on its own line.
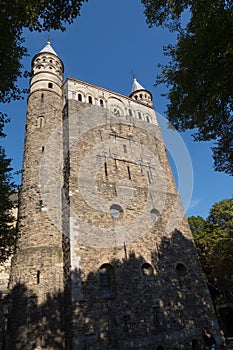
<point x="48" y="48"/>
<point x="136" y="86"/>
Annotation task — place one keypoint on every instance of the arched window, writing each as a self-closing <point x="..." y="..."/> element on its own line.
<point x="107" y="281"/>
<point x="136" y="97"/>
<point x="116" y="211"/>
<point x="80" y="98"/>
<point x="130" y="112"/>
<point x="154" y="214"/>
<point x="101" y="103"/>
<point x="183" y="277"/>
<point x="147" y="270"/>
<point x="147" y="119"/>
<point x="139" y="115"/>
<point x="89" y="99"/>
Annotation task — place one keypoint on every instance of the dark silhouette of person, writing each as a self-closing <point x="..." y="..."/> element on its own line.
<point x="208" y="340"/>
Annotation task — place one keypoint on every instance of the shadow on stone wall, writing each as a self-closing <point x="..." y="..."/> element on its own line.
<point x="135" y="307"/>
<point x="127" y="305"/>
<point x="31" y="325"/>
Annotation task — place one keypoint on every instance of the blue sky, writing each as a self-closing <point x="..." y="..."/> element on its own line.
<point x="108" y="42"/>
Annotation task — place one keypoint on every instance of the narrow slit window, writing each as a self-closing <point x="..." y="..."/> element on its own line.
<point x="147" y="119"/>
<point x="129" y="174"/>
<point x="41" y="204"/>
<point x="42" y="98"/>
<point x="38" y="277"/>
<point x="130" y="112"/>
<point x="125" y="148"/>
<point x="40" y="122"/>
<point x="149" y="176"/>
<point x="42" y="149"/>
<point x="139" y="115"/>
<point x="106" y="169"/>
<point x="156" y="315"/>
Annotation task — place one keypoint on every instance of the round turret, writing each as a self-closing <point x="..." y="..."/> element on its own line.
<point x="140" y="94"/>
<point x="47" y="71"/>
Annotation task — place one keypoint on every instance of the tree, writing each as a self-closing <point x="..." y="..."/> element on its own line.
<point x="15" y="15"/>
<point x="214" y="241"/>
<point x="199" y="75"/>
<point x="7" y="229"/>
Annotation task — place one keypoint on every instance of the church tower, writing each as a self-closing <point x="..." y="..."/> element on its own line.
<point x="37" y="268"/>
<point x="105" y="258"/>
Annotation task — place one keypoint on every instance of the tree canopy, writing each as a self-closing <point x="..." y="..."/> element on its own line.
<point x="7" y="219"/>
<point x="214" y="241"/>
<point x="15" y="16"/>
<point x="199" y="75"/>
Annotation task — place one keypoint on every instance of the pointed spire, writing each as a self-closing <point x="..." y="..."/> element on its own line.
<point x="136" y="86"/>
<point x="140" y="94"/>
<point x="48" y="48"/>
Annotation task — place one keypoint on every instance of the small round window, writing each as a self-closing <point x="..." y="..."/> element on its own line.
<point x="147" y="269"/>
<point x="116" y="211"/>
<point x="154" y="214"/>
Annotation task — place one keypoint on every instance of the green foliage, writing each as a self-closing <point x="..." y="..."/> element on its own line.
<point x="7" y="231"/>
<point x="214" y="241"/>
<point x="15" y="15"/>
<point x="199" y="75"/>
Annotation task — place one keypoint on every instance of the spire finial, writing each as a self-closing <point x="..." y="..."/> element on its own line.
<point x="133" y="74"/>
<point x="48" y="41"/>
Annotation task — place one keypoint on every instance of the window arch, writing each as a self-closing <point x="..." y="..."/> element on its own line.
<point x="147" y="119"/>
<point x="183" y="277"/>
<point x="101" y="103"/>
<point x="107" y="281"/>
<point x="90" y="99"/>
<point x="80" y="98"/>
<point x="139" y="115"/>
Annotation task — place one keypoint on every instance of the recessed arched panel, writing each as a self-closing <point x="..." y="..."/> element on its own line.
<point x="107" y="281"/>
<point x="183" y="276"/>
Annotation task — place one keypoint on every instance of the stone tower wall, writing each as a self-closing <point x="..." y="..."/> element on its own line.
<point x="155" y="293"/>
<point x="37" y="267"/>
